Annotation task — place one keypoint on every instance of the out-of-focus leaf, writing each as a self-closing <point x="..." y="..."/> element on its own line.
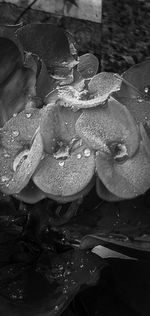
<point x="137" y="76"/>
<point x="145" y="139"/>
<point x="128" y="179"/>
<point x="41" y="284"/>
<point x="88" y="65"/>
<point x="99" y="127"/>
<point x="138" y="107"/>
<point x="122" y="226"/>
<point x="47" y="41"/>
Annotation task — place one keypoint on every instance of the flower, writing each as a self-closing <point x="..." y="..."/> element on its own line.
<point x="65" y="126"/>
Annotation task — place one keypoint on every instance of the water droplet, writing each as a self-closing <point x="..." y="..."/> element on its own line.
<point x="28" y="115"/>
<point x="15" y="114"/>
<point x="15" y="133"/>
<point x="56" y="308"/>
<point x="140" y="99"/>
<point x="146" y="89"/>
<point x="19" y="159"/>
<point x="79" y="156"/>
<point x="61" y="163"/>
<point x="87" y="152"/>
<point x="5" y="178"/>
<point x="6" y="155"/>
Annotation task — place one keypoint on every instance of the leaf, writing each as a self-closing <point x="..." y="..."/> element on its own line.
<point x="47" y="41"/>
<point x="128" y="179"/>
<point x="88" y="65"/>
<point x="101" y="126"/>
<point x="137" y="76"/>
<point x="41" y="283"/>
<point x="65" y="177"/>
<point x="145" y="139"/>
<point x="139" y="108"/>
<point x="122" y="226"/>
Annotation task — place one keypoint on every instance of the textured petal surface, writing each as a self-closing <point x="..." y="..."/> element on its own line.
<point x="112" y="123"/>
<point x="65" y="177"/>
<point x="126" y="180"/>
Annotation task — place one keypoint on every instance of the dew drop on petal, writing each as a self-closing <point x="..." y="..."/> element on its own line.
<point x="79" y="156"/>
<point x="61" y="163"/>
<point x="15" y="133"/>
<point x="87" y="152"/>
<point x="28" y="115"/>
<point x="140" y="99"/>
<point x="4" y="179"/>
<point x="146" y="90"/>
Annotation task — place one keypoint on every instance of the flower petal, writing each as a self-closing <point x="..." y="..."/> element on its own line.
<point x="57" y="125"/>
<point x="65" y="177"/>
<point x="71" y="198"/>
<point x="126" y="180"/>
<point x="17" y="170"/>
<point x="95" y="93"/>
<point x="104" y="193"/>
<point x="99" y="127"/>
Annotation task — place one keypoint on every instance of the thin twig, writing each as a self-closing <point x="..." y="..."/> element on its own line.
<point x="25" y="11"/>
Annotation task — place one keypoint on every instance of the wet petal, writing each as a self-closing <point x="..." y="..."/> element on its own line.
<point x="20" y="129"/>
<point x="65" y="177"/>
<point x="93" y="94"/>
<point x="57" y="125"/>
<point x="104" y="193"/>
<point x="30" y="194"/>
<point x="17" y="168"/>
<point x="70" y="198"/>
<point x="100" y="127"/>
<point x="126" y="180"/>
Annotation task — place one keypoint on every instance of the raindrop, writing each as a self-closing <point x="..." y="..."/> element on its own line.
<point x="79" y="156"/>
<point x="56" y="308"/>
<point x="15" y="114"/>
<point x="87" y="152"/>
<point x="61" y="163"/>
<point x="28" y="115"/>
<point x="4" y="178"/>
<point x="140" y="99"/>
<point x="6" y="155"/>
<point x="15" y="133"/>
<point x="146" y="90"/>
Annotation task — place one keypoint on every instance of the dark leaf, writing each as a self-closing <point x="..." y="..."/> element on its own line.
<point x="47" y="41"/>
